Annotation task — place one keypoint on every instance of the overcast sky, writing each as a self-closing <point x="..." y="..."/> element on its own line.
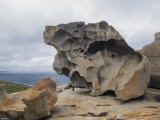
<point x="22" y="23"/>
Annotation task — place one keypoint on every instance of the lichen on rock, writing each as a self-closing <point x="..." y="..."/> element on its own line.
<point x="97" y="57"/>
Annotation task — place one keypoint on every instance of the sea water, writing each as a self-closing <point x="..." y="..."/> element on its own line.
<point x="29" y="78"/>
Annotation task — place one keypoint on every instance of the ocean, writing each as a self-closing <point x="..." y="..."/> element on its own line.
<point x="29" y="78"/>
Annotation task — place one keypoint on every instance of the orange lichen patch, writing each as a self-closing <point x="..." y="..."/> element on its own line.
<point x="130" y="87"/>
<point x="139" y="112"/>
<point x="42" y="84"/>
<point x="1" y="107"/>
<point x="9" y="103"/>
<point x="51" y="100"/>
<point x="87" y="106"/>
<point x="70" y="101"/>
<point x="150" y="117"/>
<point x="143" y="114"/>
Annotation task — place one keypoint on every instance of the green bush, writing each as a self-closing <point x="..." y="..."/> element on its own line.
<point x="13" y="87"/>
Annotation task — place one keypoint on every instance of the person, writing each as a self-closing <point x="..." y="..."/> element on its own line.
<point x="72" y="87"/>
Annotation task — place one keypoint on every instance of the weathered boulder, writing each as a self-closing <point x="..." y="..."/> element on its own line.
<point x="96" y="56"/>
<point x="152" y="52"/>
<point x="32" y="104"/>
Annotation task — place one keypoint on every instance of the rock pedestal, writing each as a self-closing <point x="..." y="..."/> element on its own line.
<point x="96" y="56"/>
<point x="32" y="104"/>
<point x="152" y="52"/>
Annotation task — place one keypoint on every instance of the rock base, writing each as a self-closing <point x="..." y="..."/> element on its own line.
<point x="79" y="105"/>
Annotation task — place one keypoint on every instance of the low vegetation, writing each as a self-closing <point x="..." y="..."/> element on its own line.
<point x="13" y="87"/>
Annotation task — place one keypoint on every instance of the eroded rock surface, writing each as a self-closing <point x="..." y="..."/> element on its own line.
<point x="152" y="52"/>
<point x="79" y="105"/>
<point x="32" y="104"/>
<point x="96" y="56"/>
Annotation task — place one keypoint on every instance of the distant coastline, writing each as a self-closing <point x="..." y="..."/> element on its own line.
<point x="4" y="71"/>
<point x="12" y="87"/>
<point x="29" y="78"/>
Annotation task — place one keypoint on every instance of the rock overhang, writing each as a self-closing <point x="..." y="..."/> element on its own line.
<point x="97" y="57"/>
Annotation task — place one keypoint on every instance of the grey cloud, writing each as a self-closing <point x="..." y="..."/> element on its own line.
<point x="125" y="7"/>
<point x="23" y="22"/>
<point x="138" y="38"/>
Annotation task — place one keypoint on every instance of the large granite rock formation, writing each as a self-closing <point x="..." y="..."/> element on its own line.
<point x="152" y="51"/>
<point x="32" y="104"/>
<point x="96" y="56"/>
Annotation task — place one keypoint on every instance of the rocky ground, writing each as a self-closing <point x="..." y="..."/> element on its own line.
<point x="79" y="105"/>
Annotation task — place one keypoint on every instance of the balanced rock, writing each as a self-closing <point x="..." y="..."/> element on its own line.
<point x="32" y="104"/>
<point x="152" y="52"/>
<point x="96" y="56"/>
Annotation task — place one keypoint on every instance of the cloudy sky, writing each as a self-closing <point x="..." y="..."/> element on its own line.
<point x="22" y="23"/>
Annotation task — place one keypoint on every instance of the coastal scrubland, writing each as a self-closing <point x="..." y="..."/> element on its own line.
<point x="13" y="87"/>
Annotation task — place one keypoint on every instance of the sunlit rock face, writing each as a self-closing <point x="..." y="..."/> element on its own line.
<point x="32" y="104"/>
<point x="96" y="56"/>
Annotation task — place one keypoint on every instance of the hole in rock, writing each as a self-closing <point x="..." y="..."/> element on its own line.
<point x="60" y="33"/>
<point x="80" y="24"/>
<point x="82" y="51"/>
<point x="109" y="93"/>
<point x="65" y="71"/>
<point x="113" y="55"/>
<point x="111" y="42"/>
<point x="95" y="47"/>
<point x="117" y="46"/>
<point x="79" y="81"/>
